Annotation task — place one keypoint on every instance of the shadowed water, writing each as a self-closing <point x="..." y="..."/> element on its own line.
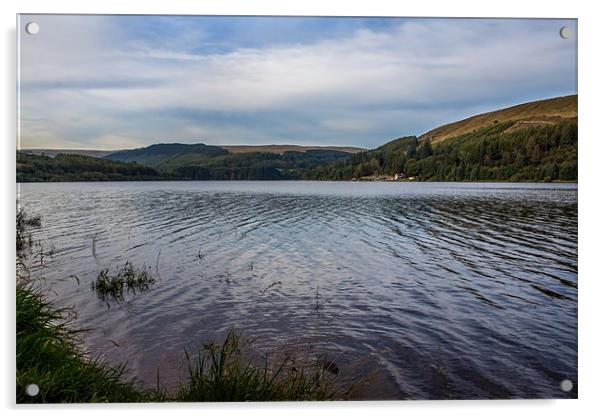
<point x="437" y="290"/>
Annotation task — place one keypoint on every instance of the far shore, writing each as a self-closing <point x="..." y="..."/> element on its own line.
<point x="359" y="180"/>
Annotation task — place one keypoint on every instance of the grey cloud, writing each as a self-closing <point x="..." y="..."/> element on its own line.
<point x="362" y="89"/>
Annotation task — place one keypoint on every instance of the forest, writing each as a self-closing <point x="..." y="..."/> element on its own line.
<point x="290" y="165"/>
<point x="71" y="167"/>
<point x="503" y="151"/>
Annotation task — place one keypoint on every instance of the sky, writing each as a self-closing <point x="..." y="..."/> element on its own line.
<point x="118" y="82"/>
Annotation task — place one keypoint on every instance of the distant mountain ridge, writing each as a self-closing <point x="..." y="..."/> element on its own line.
<point x="280" y="149"/>
<point x="234" y="149"/>
<point x="208" y="162"/>
<point x="165" y="156"/>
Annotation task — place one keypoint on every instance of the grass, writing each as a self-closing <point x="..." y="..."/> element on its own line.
<point x="24" y="242"/>
<point x="50" y="354"/>
<point x="223" y="373"/>
<point x="128" y="278"/>
<point x="549" y="110"/>
<point x="23" y="222"/>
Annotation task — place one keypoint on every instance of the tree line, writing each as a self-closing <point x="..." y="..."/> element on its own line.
<point x="71" y="167"/>
<point x="507" y="151"/>
<point x="289" y="165"/>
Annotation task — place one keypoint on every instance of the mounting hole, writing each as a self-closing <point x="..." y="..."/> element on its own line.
<point x="566" y="385"/>
<point x="565" y="32"/>
<point x="32" y="389"/>
<point x="32" y="28"/>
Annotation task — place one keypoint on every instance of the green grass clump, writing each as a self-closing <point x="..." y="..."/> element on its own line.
<point x="221" y="373"/>
<point x="49" y="355"/>
<point x="127" y="278"/>
<point x="24" y="221"/>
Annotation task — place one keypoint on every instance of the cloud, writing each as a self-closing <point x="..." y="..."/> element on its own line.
<point x="353" y="82"/>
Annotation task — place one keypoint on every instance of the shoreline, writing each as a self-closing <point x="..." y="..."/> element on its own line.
<point x="306" y="180"/>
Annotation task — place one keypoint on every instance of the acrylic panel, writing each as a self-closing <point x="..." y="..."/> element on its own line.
<point x="263" y="208"/>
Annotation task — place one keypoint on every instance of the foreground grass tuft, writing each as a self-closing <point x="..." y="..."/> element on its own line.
<point x="49" y="355"/>
<point x="24" y="221"/>
<point x="127" y="278"/>
<point x="221" y="373"/>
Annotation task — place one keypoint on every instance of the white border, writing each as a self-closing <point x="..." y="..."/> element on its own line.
<point x="590" y="155"/>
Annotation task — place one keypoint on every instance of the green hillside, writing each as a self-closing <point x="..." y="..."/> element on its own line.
<point x="165" y="157"/>
<point x="205" y="162"/>
<point x="503" y="151"/>
<point x="537" y="113"/>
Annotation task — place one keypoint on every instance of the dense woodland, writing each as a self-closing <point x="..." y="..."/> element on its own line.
<point x="502" y="151"/>
<point x="290" y="165"/>
<point x="71" y="167"/>
<point x="192" y="166"/>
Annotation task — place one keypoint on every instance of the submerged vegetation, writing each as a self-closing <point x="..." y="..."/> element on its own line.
<point x="23" y="222"/>
<point x="51" y="355"/>
<point x="127" y="278"/>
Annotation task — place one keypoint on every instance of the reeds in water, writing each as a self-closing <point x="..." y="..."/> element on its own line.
<point x="24" y="221"/>
<point x="225" y="373"/>
<point x="127" y="278"/>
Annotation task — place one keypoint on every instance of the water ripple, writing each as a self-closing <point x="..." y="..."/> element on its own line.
<point x="450" y="290"/>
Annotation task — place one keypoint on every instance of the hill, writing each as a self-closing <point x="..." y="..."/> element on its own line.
<point x="538" y="113"/>
<point x="164" y="157"/>
<point x="535" y="141"/>
<point x="206" y="162"/>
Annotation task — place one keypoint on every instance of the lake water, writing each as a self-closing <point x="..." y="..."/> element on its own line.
<point x="435" y="290"/>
